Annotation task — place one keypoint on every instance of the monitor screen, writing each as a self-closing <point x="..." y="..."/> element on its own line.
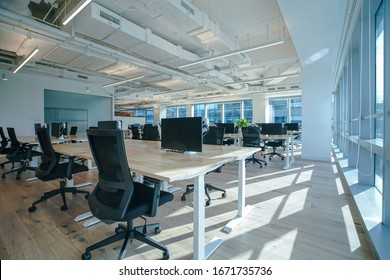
<point x="182" y="134"/>
<point x="110" y="125"/>
<point x="229" y="127"/>
<point x="272" y="128"/>
<point x="291" y="126"/>
<point x="59" y="129"/>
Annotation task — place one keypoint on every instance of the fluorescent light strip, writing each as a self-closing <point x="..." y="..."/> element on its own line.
<point x="26" y="60"/>
<point x="124" y="81"/>
<point x="81" y="5"/>
<point x="262" y="79"/>
<point x="274" y="43"/>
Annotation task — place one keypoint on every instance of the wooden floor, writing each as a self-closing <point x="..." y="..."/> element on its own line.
<point x="299" y="214"/>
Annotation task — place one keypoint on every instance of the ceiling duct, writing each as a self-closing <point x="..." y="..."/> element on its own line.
<point x="102" y="24"/>
<point x="199" y="25"/>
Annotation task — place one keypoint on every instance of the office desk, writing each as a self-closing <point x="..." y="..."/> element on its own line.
<point x="289" y="138"/>
<point x="148" y="159"/>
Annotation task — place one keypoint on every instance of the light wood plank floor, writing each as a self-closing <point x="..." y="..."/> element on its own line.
<point x="301" y="213"/>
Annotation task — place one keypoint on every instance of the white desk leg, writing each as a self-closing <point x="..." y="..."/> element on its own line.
<point x="199" y="218"/>
<point x="242" y="210"/>
<point x="241" y="187"/>
<point x="289" y="158"/>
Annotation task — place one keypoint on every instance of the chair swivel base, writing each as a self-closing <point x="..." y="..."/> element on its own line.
<point x="62" y="190"/>
<point x="128" y="233"/>
<point x="272" y="154"/>
<point x="190" y="189"/>
<point x="18" y="171"/>
<point x="256" y="160"/>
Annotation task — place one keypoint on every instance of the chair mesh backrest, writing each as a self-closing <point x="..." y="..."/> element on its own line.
<point x="214" y="136"/>
<point x="111" y="196"/>
<point x="4" y="141"/>
<point x="135" y="132"/>
<point x="251" y="136"/>
<point x="49" y="158"/>
<point x="73" y="130"/>
<point x="12" y="137"/>
<point x="151" y="133"/>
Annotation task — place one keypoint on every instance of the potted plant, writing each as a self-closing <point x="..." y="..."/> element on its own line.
<point x="242" y="123"/>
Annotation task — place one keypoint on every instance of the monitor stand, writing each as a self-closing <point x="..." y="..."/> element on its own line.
<point x="189" y="153"/>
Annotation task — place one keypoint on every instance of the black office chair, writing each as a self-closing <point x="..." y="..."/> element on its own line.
<point x="116" y="198"/>
<point x="150" y="132"/>
<point x="214" y="136"/>
<point x="4" y="149"/>
<point x="22" y="153"/>
<point x="274" y="144"/>
<point x="51" y="169"/>
<point x="135" y="133"/>
<point x="251" y="138"/>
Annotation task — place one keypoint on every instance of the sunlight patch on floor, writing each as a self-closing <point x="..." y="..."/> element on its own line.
<point x="304" y="176"/>
<point x="269" y="209"/>
<point x="353" y="238"/>
<point x="291" y="206"/>
<point x="250" y="178"/>
<point x="280" y="248"/>
<point x="339" y="186"/>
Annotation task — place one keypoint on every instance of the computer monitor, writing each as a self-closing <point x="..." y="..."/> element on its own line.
<point x="292" y="126"/>
<point x="59" y="129"/>
<point x="110" y="125"/>
<point x="272" y="129"/>
<point x="182" y="134"/>
<point x="229" y="127"/>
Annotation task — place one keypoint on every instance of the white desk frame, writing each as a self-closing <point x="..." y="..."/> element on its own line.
<point x="196" y="168"/>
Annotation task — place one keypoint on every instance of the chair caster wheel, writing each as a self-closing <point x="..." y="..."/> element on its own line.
<point x="86" y="196"/>
<point x="3" y="177"/>
<point x="32" y="209"/>
<point x="265" y="163"/>
<point x="282" y="158"/>
<point x="270" y="158"/>
<point x="86" y="256"/>
<point x="157" y="230"/>
<point x="118" y="230"/>
<point x="183" y="198"/>
<point x="64" y="208"/>
<point x="17" y="177"/>
<point x="208" y="203"/>
<point x="223" y="195"/>
<point x="165" y="256"/>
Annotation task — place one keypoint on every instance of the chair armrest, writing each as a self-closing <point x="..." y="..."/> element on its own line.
<point x="156" y="195"/>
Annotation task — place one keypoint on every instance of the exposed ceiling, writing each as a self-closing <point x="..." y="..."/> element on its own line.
<point x="153" y="40"/>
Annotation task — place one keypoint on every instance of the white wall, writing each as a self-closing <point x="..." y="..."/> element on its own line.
<point x="316" y="111"/>
<point x="260" y="111"/>
<point x="22" y="98"/>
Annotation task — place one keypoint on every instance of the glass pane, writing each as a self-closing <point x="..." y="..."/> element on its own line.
<point x="171" y="112"/>
<point x="199" y="110"/>
<point x="214" y="113"/>
<point x="379" y="172"/>
<point x="149" y="115"/>
<point x="182" y="111"/>
<point x="296" y="110"/>
<point x="379" y="70"/>
<point x="278" y="110"/>
<point x="232" y="112"/>
<point x="248" y="110"/>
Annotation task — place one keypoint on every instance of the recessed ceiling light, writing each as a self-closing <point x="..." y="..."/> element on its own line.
<point x="316" y="56"/>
